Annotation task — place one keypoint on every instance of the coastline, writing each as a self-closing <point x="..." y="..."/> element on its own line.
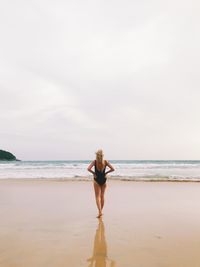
<point x="110" y="179"/>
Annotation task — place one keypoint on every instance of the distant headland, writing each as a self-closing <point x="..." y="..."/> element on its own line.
<point x="5" y="155"/>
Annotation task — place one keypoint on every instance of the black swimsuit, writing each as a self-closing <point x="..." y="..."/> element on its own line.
<point x="100" y="175"/>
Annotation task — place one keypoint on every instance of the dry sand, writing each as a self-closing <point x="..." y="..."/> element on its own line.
<point x="145" y="224"/>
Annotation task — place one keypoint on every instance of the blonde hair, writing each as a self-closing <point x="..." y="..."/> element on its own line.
<point x="99" y="156"/>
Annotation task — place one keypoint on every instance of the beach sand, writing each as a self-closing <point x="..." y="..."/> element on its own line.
<point x="54" y="224"/>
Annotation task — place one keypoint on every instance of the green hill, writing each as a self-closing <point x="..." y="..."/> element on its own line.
<point x="5" y="155"/>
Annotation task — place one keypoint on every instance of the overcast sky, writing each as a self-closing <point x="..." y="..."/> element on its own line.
<point x="81" y="75"/>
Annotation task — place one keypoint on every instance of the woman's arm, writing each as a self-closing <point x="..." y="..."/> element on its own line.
<point x="110" y="166"/>
<point x="90" y="167"/>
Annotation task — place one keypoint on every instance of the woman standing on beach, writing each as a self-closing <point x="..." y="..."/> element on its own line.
<point x="100" y="178"/>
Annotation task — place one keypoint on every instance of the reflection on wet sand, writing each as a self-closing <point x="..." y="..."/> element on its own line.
<point x="99" y="257"/>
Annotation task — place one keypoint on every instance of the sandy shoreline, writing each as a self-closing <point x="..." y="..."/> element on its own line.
<point x="45" y="223"/>
<point x="112" y="179"/>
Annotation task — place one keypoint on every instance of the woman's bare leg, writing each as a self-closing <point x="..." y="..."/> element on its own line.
<point x="103" y="188"/>
<point x="97" y="190"/>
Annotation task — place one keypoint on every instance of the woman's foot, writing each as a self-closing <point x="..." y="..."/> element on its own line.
<point x="99" y="215"/>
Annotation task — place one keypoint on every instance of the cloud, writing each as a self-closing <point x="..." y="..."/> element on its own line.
<point x="76" y="76"/>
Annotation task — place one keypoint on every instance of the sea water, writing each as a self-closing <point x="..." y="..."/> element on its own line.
<point x="124" y="170"/>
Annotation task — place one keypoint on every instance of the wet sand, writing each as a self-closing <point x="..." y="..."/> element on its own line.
<point x="54" y="224"/>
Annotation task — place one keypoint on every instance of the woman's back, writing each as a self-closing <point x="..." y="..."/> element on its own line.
<point x="101" y="165"/>
<point x="100" y="174"/>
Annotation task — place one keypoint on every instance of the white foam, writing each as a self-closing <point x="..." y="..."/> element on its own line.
<point x="132" y="170"/>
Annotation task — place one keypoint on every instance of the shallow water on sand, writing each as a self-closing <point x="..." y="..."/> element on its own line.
<point x="51" y="224"/>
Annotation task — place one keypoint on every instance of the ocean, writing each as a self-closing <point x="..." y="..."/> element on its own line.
<point x="130" y="170"/>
